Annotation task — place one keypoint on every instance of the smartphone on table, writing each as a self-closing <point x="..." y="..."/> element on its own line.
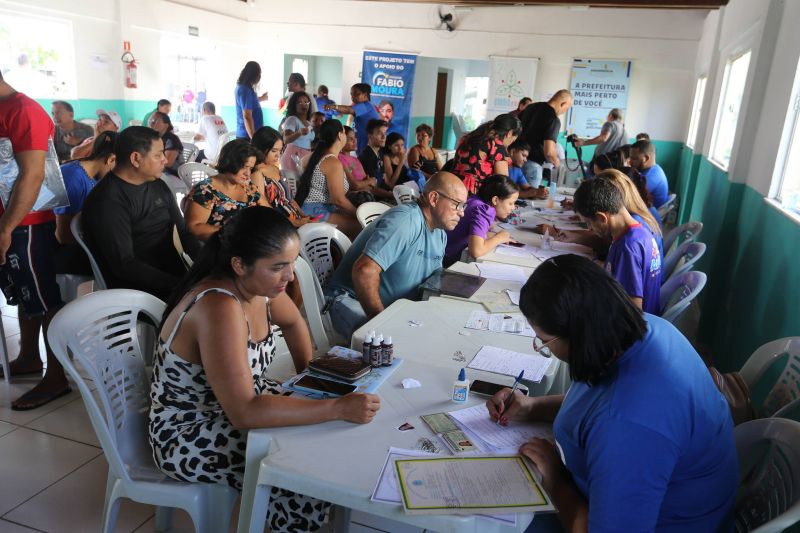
<point x="322" y="386"/>
<point x="484" y="388"/>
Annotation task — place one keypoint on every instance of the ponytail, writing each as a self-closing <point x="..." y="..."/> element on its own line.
<point x="494" y="129"/>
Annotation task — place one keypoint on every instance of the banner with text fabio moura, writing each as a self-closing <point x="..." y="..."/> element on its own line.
<point x="597" y="86"/>
<point x="391" y="76"/>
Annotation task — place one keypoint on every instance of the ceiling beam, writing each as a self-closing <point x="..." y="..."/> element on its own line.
<point x="647" y="4"/>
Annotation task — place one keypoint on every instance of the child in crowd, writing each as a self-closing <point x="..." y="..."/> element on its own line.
<point x="317" y="118"/>
<point x="633" y="258"/>
<point x="495" y="200"/>
<point x="394" y="161"/>
<point x="421" y="156"/>
<point x="518" y="153"/>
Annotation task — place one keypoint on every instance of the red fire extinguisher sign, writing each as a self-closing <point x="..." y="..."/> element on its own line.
<point x="130" y="65"/>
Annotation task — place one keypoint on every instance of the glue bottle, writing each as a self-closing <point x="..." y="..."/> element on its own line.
<point x="365" y="349"/>
<point x="551" y="198"/>
<point x="461" y="387"/>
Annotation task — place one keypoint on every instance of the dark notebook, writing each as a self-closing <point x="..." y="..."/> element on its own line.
<point x="453" y="283"/>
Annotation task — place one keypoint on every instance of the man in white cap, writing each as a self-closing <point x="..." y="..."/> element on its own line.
<point x="106" y="121"/>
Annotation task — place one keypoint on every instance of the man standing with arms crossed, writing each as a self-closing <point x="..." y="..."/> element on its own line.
<point x="27" y="244"/>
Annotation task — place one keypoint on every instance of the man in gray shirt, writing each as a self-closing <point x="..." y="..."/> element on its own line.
<point x="69" y="132"/>
<point x="612" y="135"/>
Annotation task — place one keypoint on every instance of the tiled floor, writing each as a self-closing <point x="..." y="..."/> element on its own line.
<point x="53" y="473"/>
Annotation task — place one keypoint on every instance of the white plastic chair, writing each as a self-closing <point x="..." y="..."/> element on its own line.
<point x="178" y="244"/>
<point x="768" y="499"/>
<point x="368" y="212"/>
<point x="100" y="332"/>
<point x="192" y="173"/>
<point x="77" y="231"/>
<point x="291" y="180"/>
<point x="313" y="303"/>
<point x="315" y="247"/>
<point x="771" y="375"/>
<point x="4" y="356"/>
<point x="790" y="411"/>
<point x="681" y="259"/>
<point x="403" y="194"/>
<point x="190" y="152"/>
<point x="680" y="234"/>
<point x="668" y="206"/>
<point x="224" y="139"/>
<point x="68" y="285"/>
<point x="678" y="292"/>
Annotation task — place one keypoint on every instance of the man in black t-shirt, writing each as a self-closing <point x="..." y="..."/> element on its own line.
<point x="371" y="156"/>
<point x="540" y="129"/>
<point x="129" y="216"/>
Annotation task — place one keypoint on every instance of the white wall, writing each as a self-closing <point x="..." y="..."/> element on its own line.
<point x="663" y="44"/>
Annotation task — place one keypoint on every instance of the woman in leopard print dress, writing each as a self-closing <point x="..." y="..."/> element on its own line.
<point x="209" y="388"/>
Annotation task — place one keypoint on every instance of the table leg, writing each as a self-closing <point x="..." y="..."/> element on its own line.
<point x="255" y="498"/>
<point x="341" y="519"/>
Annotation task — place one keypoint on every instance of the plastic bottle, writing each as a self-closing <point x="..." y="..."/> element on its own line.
<point x="375" y="354"/>
<point x="388" y="352"/>
<point x="365" y="349"/>
<point x="551" y="198"/>
<point x="461" y="387"/>
<point x="547" y="240"/>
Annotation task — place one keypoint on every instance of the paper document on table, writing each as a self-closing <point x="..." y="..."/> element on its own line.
<point x="508" y="363"/>
<point x="494" y="437"/>
<point x="563" y="248"/>
<point x="388" y="491"/>
<point x="462" y="485"/>
<point x="498" y="302"/>
<point x="514" y="296"/>
<point x="502" y="272"/>
<point x="514" y="323"/>
<point x="514" y="251"/>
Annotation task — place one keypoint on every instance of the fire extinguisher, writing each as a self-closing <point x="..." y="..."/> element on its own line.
<point x="130" y="66"/>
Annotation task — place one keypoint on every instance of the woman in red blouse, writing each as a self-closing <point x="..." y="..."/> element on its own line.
<point x="483" y="153"/>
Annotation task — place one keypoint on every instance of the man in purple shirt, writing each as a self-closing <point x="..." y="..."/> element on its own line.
<point x="633" y="258"/>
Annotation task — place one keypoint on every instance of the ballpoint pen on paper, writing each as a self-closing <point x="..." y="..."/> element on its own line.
<point x="510" y="398"/>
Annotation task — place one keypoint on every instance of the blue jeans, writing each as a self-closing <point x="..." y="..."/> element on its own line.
<point x="533" y="173"/>
<point x="346" y="312"/>
<point x="313" y="209"/>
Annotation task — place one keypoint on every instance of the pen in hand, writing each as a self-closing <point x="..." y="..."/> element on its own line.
<point x="510" y="398"/>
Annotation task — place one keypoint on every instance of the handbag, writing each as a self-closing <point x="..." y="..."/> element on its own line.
<point x="736" y="393"/>
<point x="52" y="193"/>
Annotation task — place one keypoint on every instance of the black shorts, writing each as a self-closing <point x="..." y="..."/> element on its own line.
<point x="29" y="275"/>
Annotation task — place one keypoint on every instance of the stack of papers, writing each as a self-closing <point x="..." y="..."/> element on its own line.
<point x="514" y="323"/>
<point x="502" y="272"/>
<point x="509" y="363"/>
<point x="387" y="490"/>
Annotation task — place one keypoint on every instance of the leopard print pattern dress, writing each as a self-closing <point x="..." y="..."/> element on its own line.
<point x="193" y="440"/>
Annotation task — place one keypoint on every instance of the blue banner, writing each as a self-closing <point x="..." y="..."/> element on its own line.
<point x="391" y="77"/>
<point x="597" y="86"/>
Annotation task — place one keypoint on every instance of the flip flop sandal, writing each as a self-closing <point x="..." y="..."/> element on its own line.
<point x="38" y="398"/>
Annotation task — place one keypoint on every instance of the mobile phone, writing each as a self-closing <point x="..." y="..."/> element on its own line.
<point x="517" y="244"/>
<point x="521" y="203"/>
<point x="484" y="388"/>
<point x="324" y="386"/>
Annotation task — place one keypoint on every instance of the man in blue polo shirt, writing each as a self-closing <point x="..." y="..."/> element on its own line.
<point x="643" y="159"/>
<point x="633" y="258"/>
<point x="395" y="254"/>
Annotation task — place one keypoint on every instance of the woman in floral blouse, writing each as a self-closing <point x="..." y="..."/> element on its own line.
<point x="482" y="153"/>
<point x="215" y="199"/>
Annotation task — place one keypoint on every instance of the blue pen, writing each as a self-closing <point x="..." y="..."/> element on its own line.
<point x="507" y="402"/>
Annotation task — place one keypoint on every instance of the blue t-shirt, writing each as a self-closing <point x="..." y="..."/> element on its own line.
<point x="659" y="238"/>
<point x="322" y="101"/>
<point x="517" y="176"/>
<point x="634" y="260"/>
<point x="78" y="184"/>
<point x="246" y="98"/>
<point x="365" y="112"/>
<point x="402" y="245"/>
<point x="651" y="445"/>
<point x="657" y="184"/>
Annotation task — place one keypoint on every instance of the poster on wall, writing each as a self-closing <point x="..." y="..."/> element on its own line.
<point x="391" y="76"/>
<point x="510" y="80"/>
<point x="598" y="86"/>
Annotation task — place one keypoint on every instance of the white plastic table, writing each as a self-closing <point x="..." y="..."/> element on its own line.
<point x="490" y="286"/>
<point x="340" y="462"/>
